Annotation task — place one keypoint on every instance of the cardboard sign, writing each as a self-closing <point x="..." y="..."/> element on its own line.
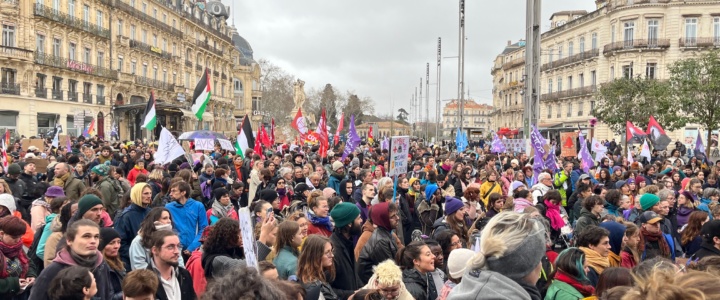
<point x="39" y="143"/>
<point x="568" y="144"/>
<point x="399" y="146"/>
<point x="205" y="144"/>
<point x="248" y="237"/>
<point x="40" y="164"/>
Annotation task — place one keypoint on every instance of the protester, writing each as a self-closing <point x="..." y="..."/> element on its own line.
<point x="222" y="250"/>
<point x="17" y="272"/>
<point x="127" y="224"/>
<point x="140" y="284"/>
<point x="139" y="254"/>
<point x="417" y="261"/>
<point x="109" y="247"/>
<point x="570" y="281"/>
<point x="595" y="243"/>
<point x="315" y="266"/>
<point x="74" y="282"/>
<point x="175" y="282"/>
<point x="348" y="227"/>
<point x="381" y="245"/>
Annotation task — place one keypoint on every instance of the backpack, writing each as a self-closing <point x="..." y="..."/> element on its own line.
<point x="32" y="252"/>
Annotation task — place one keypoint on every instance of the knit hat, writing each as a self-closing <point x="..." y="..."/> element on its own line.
<point x="688" y="195"/>
<point x="648" y="200"/>
<point x="86" y="203"/>
<point x="14" y="169"/>
<point x="630" y="180"/>
<point x="337" y="165"/>
<point x="54" y="191"/>
<point x="344" y="213"/>
<point x="640" y="179"/>
<point x="8" y="202"/>
<point x="710" y="230"/>
<point x="107" y="234"/>
<point x="516" y="184"/>
<point x="301" y="188"/>
<point x="328" y="192"/>
<point x="268" y="195"/>
<point x="616" y="168"/>
<point x="101" y="169"/>
<point x="519" y="262"/>
<point x="619" y="184"/>
<point x="457" y="262"/>
<point x="452" y="205"/>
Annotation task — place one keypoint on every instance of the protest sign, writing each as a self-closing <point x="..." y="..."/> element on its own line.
<point x="568" y="144"/>
<point x="205" y="144"/>
<point x="248" y="237"/>
<point x="399" y="146"/>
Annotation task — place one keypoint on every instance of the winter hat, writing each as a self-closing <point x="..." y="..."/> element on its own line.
<point x="337" y="165"/>
<point x="86" y="203"/>
<point x="101" y="169"/>
<point x="710" y="230"/>
<point x="452" y="205"/>
<point x="301" y="188"/>
<point x="14" y="169"/>
<point x="8" y="201"/>
<point x="430" y="190"/>
<point x="519" y="262"/>
<point x="516" y="184"/>
<point x="344" y="213"/>
<point x="107" y="234"/>
<point x="639" y="179"/>
<point x="328" y="192"/>
<point x="688" y="196"/>
<point x="619" y="184"/>
<point x="514" y="161"/>
<point x="54" y="191"/>
<point x="268" y="195"/>
<point x="616" y="168"/>
<point x="457" y="262"/>
<point x="617" y="233"/>
<point x="630" y="180"/>
<point x="648" y="200"/>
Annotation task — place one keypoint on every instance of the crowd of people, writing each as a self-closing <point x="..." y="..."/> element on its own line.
<point x="104" y="221"/>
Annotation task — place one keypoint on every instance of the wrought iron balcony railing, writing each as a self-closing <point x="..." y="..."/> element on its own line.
<point x="9" y="88"/>
<point x="71" y="21"/>
<point x="74" y="65"/>
<point x="150" y="49"/>
<point x="651" y="44"/>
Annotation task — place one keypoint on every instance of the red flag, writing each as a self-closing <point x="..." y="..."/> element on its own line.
<point x="7" y="138"/>
<point x="634" y="134"/>
<point x="299" y="123"/>
<point x="263" y="137"/>
<point x="336" y="139"/>
<point x="272" y="132"/>
<point x="322" y="134"/>
<point x="370" y="135"/>
<point x="258" y="143"/>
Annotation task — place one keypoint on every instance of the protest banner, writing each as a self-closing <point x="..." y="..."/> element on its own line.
<point x="399" y="146"/>
<point x="248" y="237"/>
<point x="568" y="144"/>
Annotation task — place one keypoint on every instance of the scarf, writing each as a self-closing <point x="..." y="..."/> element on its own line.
<point x="446" y="168"/>
<point x="219" y="210"/>
<point x="41" y="202"/>
<point x="159" y="226"/>
<point x="87" y="261"/>
<point x="553" y="213"/>
<point x="585" y="290"/>
<point x="102" y="159"/>
<point x="281" y="192"/>
<point x="318" y="221"/>
<point x="12" y="252"/>
<point x="60" y="181"/>
<point x="595" y="261"/>
<point x="646" y="236"/>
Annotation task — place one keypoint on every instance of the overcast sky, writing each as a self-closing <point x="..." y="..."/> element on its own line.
<point x="379" y="48"/>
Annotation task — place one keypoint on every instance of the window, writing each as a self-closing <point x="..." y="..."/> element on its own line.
<point x="40" y="43"/>
<point x="133" y="67"/>
<point x="550" y="55"/>
<point x="691" y="31"/>
<point x="582" y="44"/>
<point x="222" y="91"/>
<point x="8" y="76"/>
<point x="8" y="35"/>
<point x="570" y="48"/>
<point x="144" y="73"/>
<point x="99" y="18"/>
<point x="629" y="33"/>
<point x="580" y="108"/>
<point x="56" y="83"/>
<point x="164" y="45"/>
<point x="559" y="84"/>
<point x="144" y="36"/>
<point x="592" y="107"/>
<point x="612" y="34"/>
<point x="593" y="78"/>
<point x="71" y="8"/>
<point x="653" y="29"/>
<point x="187" y="79"/>
<point x="173" y="23"/>
<point x="71" y="51"/>
<point x="716" y="30"/>
<point x="549" y="114"/>
<point x="569" y="109"/>
<point x="627" y="71"/>
<point x="144" y="8"/>
<point x="550" y="86"/>
<point x="132" y="32"/>
<point x="120" y="63"/>
<point x="594" y="41"/>
<point x="650" y="70"/>
<point x="72" y="86"/>
<point x="559" y="110"/>
<point x="612" y="73"/>
<point x="155" y="73"/>
<point x="155" y="14"/>
<point x="86" y="13"/>
<point x="132" y="3"/>
<point x="56" y="4"/>
<point x="87" y="89"/>
<point x="570" y="82"/>
<point x="86" y="56"/>
<point x="120" y="26"/>
<point x="101" y="90"/>
<point x="164" y="76"/>
<point x="100" y="59"/>
<point x="560" y="51"/>
<point x="581" y="78"/>
<point x="174" y="48"/>
<point x="56" y="46"/>
<point x="164" y="18"/>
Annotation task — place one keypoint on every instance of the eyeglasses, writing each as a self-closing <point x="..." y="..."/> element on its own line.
<point x="281" y="182"/>
<point x="458" y="243"/>
<point x="329" y="254"/>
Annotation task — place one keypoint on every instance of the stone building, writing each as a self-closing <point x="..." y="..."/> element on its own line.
<point x="476" y="119"/>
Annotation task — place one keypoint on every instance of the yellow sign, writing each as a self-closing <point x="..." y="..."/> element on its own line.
<point x="155" y="49"/>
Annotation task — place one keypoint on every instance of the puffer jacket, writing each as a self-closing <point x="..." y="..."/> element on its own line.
<point x="420" y="286"/>
<point x="127" y="224"/>
<point x="380" y="247"/>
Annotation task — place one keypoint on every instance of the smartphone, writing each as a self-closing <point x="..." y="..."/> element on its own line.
<point x="269" y="212"/>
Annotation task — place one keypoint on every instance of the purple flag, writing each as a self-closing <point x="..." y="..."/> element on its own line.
<point x="550" y="162"/>
<point x="586" y="161"/>
<point x="538" y="142"/>
<point x="353" y="140"/>
<point x="699" y="151"/>
<point x="385" y="144"/>
<point x="538" y="165"/>
<point x="497" y="144"/>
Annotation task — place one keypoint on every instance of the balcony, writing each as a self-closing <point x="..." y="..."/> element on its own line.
<point x="87" y="98"/>
<point x="216" y="74"/>
<point x="150" y="49"/>
<point x="145" y="18"/>
<point x="513" y="63"/>
<point x="207" y="27"/>
<point x="155" y="84"/>
<point x="188" y="64"/>
<point x="576" y="92"/>
<point x="68" y="20"/>
<point x="73" y="65"/>
<point x="639" y="44"/>
<point x="206" y="46"/>
<point x="699" y="42"/>
<point x="15" y="53"/>
<point x="8" y="88"/>
<point x="198" y="67"/>
<point x="223" y="76"/>
<point x="72" y="96"/>
<point x="100" y="100"/>
<point x="571" y="59"/>
<point x="57" y="95"/>
<point x="10" y="2"/>
<point x="41" y="92"/>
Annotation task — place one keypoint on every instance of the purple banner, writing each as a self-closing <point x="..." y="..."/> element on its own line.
<point x="586" y="161"/>
<point x="497" y="144"/>
<point x="353" y="140"/>
<point x="550" y="161"/>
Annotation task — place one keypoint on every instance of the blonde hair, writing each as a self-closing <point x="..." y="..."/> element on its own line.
<point x="387" y="273"/>
<point x="156" y="174"/>
<point x="504" y="233"/>
<point x="667" y="285"/>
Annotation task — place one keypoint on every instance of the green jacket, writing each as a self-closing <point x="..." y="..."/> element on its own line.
<point x="559" y="290"/>
<point x="585" y="220"/>
<point x="560" y="180"/>
<point x="10" y="286"/>
<point x="286" y="263"/>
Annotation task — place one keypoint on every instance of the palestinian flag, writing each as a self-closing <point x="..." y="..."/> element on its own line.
<point x="201" y="96"/>
<point x="150" y="119"/>
<point x="245" y="137"/>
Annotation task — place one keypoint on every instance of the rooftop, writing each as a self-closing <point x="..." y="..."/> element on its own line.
<point x="469" y="104"/>
<point x="569" y="13"/>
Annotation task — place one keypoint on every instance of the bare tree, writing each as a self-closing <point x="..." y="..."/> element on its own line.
<point x="277" y="86"/>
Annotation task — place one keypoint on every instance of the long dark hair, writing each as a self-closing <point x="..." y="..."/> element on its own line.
<point x="407" y="255"/>
<point x="147" y="227"/>
<point x="70" y="282"/>
<point x="570" y="261"/>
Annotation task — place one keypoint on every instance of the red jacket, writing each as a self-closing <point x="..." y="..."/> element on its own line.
<point x="194" y="266"/>
<point x="134" y="173"/>
<point x="312" y="229"/>
<point x="627" y="260"/>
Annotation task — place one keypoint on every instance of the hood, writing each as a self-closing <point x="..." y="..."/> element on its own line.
<point x="684" y="211"/>
<point x="490" y="285"/>
<point x="64" y="257"/>
<point x="380" y="215"/>
<point x="368" y="227"/>
<point x="540" y="187"/>
<point x="8" y="201"/>
<point x="136" y="193"/>
<point x="343" y="191"/>
<point x="617" y="233"/>
<point x="439" y="222"/>
<point x="56" y="225"/>
<point x="585" y="212"/>
<point x="337" y="175"/>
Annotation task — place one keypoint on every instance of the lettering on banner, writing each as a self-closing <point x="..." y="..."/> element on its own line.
<point x="248" y="237"/>
<point x="399" y="155"/>
<point x="75" y="65"/>
<point x="204" y="144"/>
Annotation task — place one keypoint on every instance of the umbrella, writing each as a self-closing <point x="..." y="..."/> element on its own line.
<point x="201" y="134"/>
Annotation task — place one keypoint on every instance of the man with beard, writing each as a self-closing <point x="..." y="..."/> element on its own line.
<point x="348" y="226"/>
<point x="72" y="186"/>
<point x="107" y="186"/>
<point x="105" y="156"/>
<point x="12" y="177"/>
<point x="175" y="282"/>
<point x="337" y="175"/>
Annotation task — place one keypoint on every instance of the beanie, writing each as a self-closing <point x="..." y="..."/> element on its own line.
<point x="344" y="213"/>
<point x="519" y="262"/>
<point x="452" y="205"/>
<point x="457" y="262"/>
<point x="516" y="184"/>
<point x="86" y="203"/>
<point x="337" y="165"/>
<point x="648" y="200"/>
<point x="107" y="234"/>
<point x="14" y="169"/>
<point x="101" y="169"/>
<point x="430" y="190"/>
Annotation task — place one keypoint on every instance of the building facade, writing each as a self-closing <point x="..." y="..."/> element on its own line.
<point x="476" y="118"/>
<point x="382" y="129"/>
<point x="620" y="38"/>
<point x="69" y="62"/>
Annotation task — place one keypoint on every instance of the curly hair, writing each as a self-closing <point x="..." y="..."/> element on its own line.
<point x="225" y="234"/>
<point x="243" y="283"/>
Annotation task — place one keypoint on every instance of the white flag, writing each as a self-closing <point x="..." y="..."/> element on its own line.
<point x="599" y="149"/>
<point x="168" y="148"/>
<point x="645" y="150"/>
<point x="630" y="157"/>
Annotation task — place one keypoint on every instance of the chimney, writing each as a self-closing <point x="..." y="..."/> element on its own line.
<point x="509" y="42"/>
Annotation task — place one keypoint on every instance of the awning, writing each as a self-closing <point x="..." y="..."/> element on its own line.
<point x="187" y="113"/>
<point x="208" y="117"/>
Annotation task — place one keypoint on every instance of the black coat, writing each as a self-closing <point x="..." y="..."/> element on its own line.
<point x="379" y="248"/>
<point x="39" y="291"/>
<point x="187" y="291"/>
<point x="705" y="251"/>
<point x="346" y="280"/>
<point x="418" y="285"/>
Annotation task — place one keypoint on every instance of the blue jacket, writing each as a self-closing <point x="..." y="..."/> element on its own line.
<point x="286" y="263"/>
<point x="127" y="224"/>
<point x="190" y="220"/>
<point x="575" y="176"/>
<point x="705" y="206"/>
<point x="334" y="182"/>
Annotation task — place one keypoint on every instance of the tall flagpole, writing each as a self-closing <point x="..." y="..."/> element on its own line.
<point x="420" y="101"/>
<point x="437" y="105"/>
<point x="427" y="101"/>
<point x="461" y="64"/>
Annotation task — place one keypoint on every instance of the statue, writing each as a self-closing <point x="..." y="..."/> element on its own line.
<point x="299" y="95"/>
